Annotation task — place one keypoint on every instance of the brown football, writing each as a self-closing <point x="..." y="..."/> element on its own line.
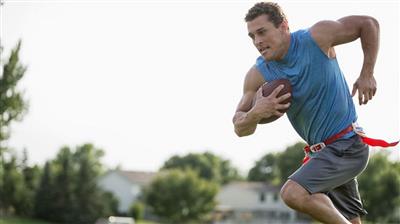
<point x="267" y="89"/>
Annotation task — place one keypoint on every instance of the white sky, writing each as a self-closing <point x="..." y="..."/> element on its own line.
<point x="145" y="80"/>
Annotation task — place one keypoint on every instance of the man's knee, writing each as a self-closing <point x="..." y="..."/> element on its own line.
<point x="294" y="195"/>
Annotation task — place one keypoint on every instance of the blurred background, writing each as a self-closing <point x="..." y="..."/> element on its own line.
<point x="124" y="108"/>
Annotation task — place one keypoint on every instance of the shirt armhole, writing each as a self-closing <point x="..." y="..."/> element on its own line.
<point x="262" y="68"/>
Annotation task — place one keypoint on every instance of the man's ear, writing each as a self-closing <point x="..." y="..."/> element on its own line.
<point x="284" y="25"/>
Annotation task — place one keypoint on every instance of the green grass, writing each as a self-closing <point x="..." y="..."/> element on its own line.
<point x="21" y="221"/>
<point x="145" y="222"/>
<point x="33" y="221"/>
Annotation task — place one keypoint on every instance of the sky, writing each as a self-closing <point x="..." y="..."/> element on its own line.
<point x="146" y="80"/>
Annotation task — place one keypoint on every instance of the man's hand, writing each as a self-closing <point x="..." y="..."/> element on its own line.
<point x="268" y="106"/>
<point x="366" y="87"/>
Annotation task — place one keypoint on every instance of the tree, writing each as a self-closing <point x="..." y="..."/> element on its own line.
<point x="12" y="108"/>
<point x="228" y="172"/>
<point x="31" y="175"/>
<point x="15" y="195"/>
<point x="379" y="187"/>
<point x="12" y="104"/>
<point x="290" y="160"/>
<point x="207" y="165"/>
<point x="266" y="169"/>
<point x="91" y="201"/>
<point x="43" y="207"/>
<point x="137" y="210"/>
<point x="181" y="196"/>
<point x="277" y="167"/>
<point x="63" y="202"/>
<point x="110" y="203"/>
<point x="12" y="191"/>
<point x="68" y="191"/>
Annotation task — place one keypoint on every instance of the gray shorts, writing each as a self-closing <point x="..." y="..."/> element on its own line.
<point x="333" y="171"/>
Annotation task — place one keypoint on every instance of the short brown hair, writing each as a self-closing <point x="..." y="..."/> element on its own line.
<point x="272" y="9"/>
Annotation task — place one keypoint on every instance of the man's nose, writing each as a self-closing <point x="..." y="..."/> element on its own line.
<point x="257" y="41"/>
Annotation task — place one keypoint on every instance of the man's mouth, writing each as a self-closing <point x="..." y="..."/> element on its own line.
<point x="264" y="50"/>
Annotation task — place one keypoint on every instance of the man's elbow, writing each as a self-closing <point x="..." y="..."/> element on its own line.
<point x="372" y="22"/>
<point x="243" y="133"/>
<point x="239" y="133"/>
<point x="242" y="130"/>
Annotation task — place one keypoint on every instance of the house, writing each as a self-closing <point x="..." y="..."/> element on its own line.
<point x="125" y="185"/>
<point x="238" y="202"/>
<point x="253" y="203"/>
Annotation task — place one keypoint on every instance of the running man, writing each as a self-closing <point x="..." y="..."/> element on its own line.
<point x="322" y="110"/>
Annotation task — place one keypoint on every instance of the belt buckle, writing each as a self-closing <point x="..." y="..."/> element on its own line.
<point x="317" y="147"/>
<point x="358" y="130"/>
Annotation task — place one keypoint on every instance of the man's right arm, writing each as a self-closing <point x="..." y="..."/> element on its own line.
<point x="244" y="120"/>
<point x="253" y="106"/>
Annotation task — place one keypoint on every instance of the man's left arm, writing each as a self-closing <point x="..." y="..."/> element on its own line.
<point x="328" y="34"/>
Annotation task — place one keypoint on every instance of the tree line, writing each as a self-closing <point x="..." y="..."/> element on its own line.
<point x="65" y="189"/>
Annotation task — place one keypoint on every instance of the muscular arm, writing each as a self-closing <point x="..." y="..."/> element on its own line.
<point x="244" y="120"/>
<point x="328" y="34"/>
<point x="253" y="106"/>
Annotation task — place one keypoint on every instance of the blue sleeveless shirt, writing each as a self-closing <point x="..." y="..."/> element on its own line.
<point x="322" y="105"/>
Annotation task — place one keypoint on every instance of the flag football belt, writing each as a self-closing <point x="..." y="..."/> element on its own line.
<point x="309" y="150"/>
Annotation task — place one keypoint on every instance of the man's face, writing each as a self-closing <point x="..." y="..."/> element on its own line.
<point x="269" y="40"/>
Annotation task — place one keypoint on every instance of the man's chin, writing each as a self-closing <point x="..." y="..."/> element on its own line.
<point x="266" y="58"/>
<point x="270" y="57"/>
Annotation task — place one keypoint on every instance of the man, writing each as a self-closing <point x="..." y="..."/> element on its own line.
<point x="322" y="109"/>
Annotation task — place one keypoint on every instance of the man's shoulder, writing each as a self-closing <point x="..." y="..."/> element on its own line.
<point x="300" y="34"/>
<point x="303" y="39"/>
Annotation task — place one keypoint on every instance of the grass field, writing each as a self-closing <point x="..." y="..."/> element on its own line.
<point x="33" y="221"/>
<point x="21" y="221"/>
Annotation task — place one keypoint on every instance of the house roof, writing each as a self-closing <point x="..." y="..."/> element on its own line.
<point x="255" y="186"/>
<point x="137" y="177"/>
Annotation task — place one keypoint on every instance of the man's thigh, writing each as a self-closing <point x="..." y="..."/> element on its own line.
<point x="333" y="166"/>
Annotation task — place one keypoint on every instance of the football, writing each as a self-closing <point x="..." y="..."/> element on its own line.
<point x="267" y="89"/>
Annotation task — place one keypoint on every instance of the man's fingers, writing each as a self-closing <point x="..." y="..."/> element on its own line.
<point x="283" y="97"/>
<point x="276" y="91"/>
<point x="366" y="97"/>
<point x="366" y="89"/>
<point x="360" y="97"/>
<point x="354" y="90"/>
<point x="371" y="94"/>
<point x="259" y="91"/>
<point x="279" y="114"/>
<point x="283" y="106"/>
